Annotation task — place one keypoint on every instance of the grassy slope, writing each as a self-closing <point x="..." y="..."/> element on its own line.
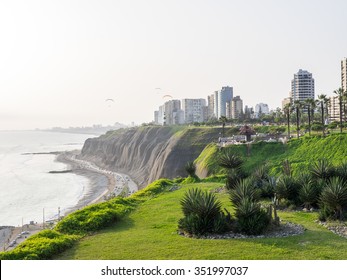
<point x="150" y="233"/>
<point x="300" y="153"/>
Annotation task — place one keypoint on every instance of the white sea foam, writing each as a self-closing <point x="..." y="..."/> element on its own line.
<point x="26" y="187"/>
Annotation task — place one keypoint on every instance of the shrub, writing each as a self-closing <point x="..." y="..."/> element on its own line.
<point x="229" y="160"/>
<point x="190" y="168"/>
<point x="94" y="217"/>
<point x="268" y="187"/>
<point x="244" y="189"/>
<point x="251" y="219"/>
<point x="202" y="213"/>
<point x="308" y="195"/>
<point x="341" y="171"/>
<point x="40" y="246"/>
<point x="334" y="197"/>
<point x="322" y="169"/>
<point x="287" y="188"/>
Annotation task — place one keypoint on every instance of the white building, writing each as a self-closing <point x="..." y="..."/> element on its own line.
<point x="261" y="109"/>
<point x="193" y="110"/>
<point x="302" y="86"/>
<point x="344" y="74"/>
<point x="236" y="107"/>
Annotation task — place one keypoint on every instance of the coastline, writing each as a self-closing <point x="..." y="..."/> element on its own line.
<point x="103" y="184"/>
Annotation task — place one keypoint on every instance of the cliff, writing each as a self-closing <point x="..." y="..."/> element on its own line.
<point x="148" y="153"/>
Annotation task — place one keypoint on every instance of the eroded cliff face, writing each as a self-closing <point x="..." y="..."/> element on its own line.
<point x="148" y="153"/>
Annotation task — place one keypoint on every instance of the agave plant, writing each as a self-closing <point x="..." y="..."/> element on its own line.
<point x="268" y="187"/>
<point x="229" y="160"/>
<point x="190" y="168"/>
<point x="341" y="171"/>
<point x="322" y="169"/>
<point x="202" y="212"/>
<point x="286" y="188"/>
<point x="308" y="194"/>
<point x="251" y="219"/>
<point x="244" y="189"/>
<point x="334" y="196"/>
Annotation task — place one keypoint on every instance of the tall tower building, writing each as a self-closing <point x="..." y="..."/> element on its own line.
<point x="224" y="95"/>
<point x="344" y="74"/>
<point x="193" y="109"/>
<point x="302" y="86"/>
<point x="236" y="107"/>
<point x="210" y="106"/>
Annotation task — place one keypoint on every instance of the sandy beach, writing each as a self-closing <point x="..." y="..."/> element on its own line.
<point x="103" y="184"/>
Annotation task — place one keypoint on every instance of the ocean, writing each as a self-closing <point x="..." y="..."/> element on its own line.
<point x="28" y="192"/>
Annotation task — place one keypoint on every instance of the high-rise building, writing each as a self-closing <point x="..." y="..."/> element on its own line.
<point x="215" y="109"/>
<point x="261" y="109"/>
<point x="344" y="74"/>
<point x="302" y="86"/>
<point x="334" y="108"/>
<point x="173" y="113"/>
<point x="223" y="96"/>
<point x="236" y="107"/>
<point x="210" y="106"/>
<point x="193" y="110"/>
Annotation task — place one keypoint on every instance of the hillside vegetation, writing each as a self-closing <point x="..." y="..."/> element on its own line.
<point x="299" y="152"/>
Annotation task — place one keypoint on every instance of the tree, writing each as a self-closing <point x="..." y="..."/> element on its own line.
<point x="287" y="111"/>
<point x="223" y="120"/>
<point x="297" y="106"/>
<point x="322" y="100"/>
<point x="339" y="93"/>
<point x="309" y="102"/>
<point x="248" y="131"/>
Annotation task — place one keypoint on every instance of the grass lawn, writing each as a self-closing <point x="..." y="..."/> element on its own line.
<point x="150" y="232"/>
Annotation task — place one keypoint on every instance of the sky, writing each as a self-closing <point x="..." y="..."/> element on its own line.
<point x="60" y="60"/>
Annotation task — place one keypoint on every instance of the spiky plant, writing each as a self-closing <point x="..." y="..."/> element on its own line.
<point x="244" y="189"/>
<point x="251" y="219"/>
<point x="229" y="160"/>
<point x="322" y="169"/>
<point x="334" y="196"/>
<point x="341" y="171"/>
<point x="308" y="195"/>
<point x="287" y="188"/>
<point x="202" y="212"/>
<point x="190" y="168"/>
<point x="268" y="187"/>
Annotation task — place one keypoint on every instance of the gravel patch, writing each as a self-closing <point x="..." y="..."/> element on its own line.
<point x="340" y="229"/>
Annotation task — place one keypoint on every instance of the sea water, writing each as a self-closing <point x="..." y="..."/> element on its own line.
<point x="28" y="192"/>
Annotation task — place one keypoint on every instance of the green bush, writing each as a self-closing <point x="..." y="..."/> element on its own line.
<point x="334" y="197"/>
<point x="287" y="188"/>
<point x="244" y="189"/>
<point x="322" y="169"/>
<point x="202" y="213"/>
<point x="41" y="246"/>
<point x="308" y="195"/>
<point x="153" y="189"/>
<point x="94" y="217"/>
<point x="251" y="219"/>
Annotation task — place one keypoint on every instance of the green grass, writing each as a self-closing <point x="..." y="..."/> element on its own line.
<point x="150" y="232"/>
<point x="300" y="153"/>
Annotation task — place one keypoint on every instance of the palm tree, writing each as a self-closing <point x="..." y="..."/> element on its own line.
<point x="223" y="120"/>
<point x="322" y="99"/>
<point x="309" y="102"/>
<point x="287" y="110"/>
<point x="339" y="93"/>
<point x="297" y="107"/>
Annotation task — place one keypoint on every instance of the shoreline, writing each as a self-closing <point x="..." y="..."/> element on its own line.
<point x="102" y="185"/>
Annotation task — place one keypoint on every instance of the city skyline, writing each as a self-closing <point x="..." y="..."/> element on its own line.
<point x="61" y="60"/>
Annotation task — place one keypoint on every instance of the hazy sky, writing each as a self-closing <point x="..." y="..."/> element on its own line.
<point x="60" y="60"/>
